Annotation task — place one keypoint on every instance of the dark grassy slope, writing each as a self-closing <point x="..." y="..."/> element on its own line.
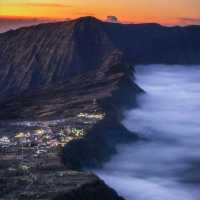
<point x="52" y="53"/>
<point x="103" y="90"/>
<point x="54" y="185"/>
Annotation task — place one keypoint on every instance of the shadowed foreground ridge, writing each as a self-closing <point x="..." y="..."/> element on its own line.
<point x="70" y="82"/>
<point x="98" y="94"/>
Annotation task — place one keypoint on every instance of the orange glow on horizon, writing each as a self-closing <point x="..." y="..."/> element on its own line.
<point x="128" y="11"/>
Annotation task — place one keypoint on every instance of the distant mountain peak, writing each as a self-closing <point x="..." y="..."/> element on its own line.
<point x="88" y="19"/>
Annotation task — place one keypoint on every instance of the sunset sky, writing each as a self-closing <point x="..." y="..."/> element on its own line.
<point x="161" y="11"/>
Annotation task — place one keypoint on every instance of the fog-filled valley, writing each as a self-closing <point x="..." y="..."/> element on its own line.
<point x="164" y="164"/>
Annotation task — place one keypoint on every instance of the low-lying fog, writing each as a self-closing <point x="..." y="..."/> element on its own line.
<point x="166" y="165"/>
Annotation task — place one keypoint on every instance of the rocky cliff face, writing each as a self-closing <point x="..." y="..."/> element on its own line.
<point x="53" y="53"/>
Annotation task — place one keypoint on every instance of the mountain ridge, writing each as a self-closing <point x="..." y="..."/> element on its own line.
<point x="49" y="53"/>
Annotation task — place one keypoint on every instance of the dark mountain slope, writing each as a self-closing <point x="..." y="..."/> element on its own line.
<point x="153" y="43"/>
<point x="53" y="53"/>
<point x="49" y="53"/>
<point x="82" y="93"/>
<point x="54" y="185"/>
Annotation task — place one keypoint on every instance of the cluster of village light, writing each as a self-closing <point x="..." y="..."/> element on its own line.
<point x="98" y="116"/>
<point x="42" y="139"/>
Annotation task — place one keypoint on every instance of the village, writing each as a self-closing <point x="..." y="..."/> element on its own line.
<point x="40" y="139"/>
<point x="29" y="147"/>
